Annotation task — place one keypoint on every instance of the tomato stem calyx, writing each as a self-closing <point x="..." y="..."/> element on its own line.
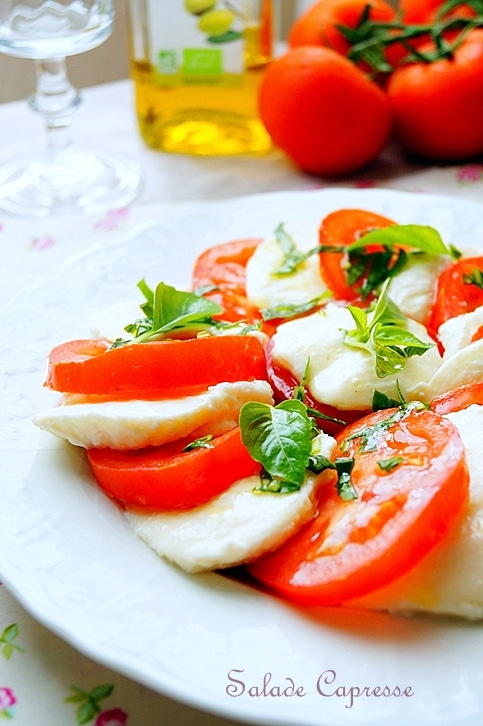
<point x="370" y="38"/>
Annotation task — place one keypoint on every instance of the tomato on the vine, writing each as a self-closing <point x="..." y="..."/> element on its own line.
<point x="438" y="106"/>
<point x="322" y="111"/>
<point x="319" y="24"/>
<point x="425" y="11"/>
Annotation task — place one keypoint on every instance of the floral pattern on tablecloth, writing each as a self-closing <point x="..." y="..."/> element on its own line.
<point x="89" y="709"/>
<point x="8" y="646"/>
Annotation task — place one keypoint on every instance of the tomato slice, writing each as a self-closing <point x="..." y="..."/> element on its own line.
<point x="341" y="229"/>
<point x="167" y="368"/>
<point x="455" y="295"/>
<point x="459" y="398"/>
<point x="284" y="383"/>
<point x="166" y="478"/>
<point x="224" y="267"/>
<point x="354" y="547"/>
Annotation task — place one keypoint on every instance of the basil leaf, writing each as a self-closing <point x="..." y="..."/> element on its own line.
<point x="204" y="442"/>
<point x="292" y="257"/>
<point x="387" y="465"/>
<point x="345" y="488"/>
<point x="380" y="401"/>
<point x="423" y="238"/>
<point x="278" y="437"/>
<point x="383" y="333"/>
<point x="290" y="311"/>
<point x="168" y="309"/>
<point x="474" y="278"/>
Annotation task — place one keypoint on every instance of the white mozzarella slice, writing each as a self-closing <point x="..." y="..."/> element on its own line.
<point x="414" y="288"/>
<point x="456" y="333"/>
<point x="267" y="290"/>
<point x="235" y="527"/>
<point x="344" y="376"/>
<point x="465" y="366"/>
<point x="449" y="580"/>
<point x="136" y="424"/>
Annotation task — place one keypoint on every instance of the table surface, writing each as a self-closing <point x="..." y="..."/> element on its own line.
<point x="36" y="679"/>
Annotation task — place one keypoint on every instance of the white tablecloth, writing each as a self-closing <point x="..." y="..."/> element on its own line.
<point x="38" y="669"/>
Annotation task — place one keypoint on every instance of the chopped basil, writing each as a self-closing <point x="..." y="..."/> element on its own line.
<point x="204" y="442"/>
<point x="292" y="257"/>
<point x="382" y="332"/>
<point x="368" y="436"/>
<point x="387" y="465"/>
<point x="345" y="487"/>
<point x="291" y="311"/>
<point x="474" y="278"/>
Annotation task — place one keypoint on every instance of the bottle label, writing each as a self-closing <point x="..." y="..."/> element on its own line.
<point x="195" y="41"/>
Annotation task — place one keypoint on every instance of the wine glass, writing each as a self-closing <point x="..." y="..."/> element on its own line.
<point x="63" y="179"/>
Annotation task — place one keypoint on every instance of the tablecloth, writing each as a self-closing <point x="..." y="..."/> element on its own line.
<point x="43" y="680"/>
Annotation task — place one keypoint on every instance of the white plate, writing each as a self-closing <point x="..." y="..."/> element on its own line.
<point x="70" y="557"/>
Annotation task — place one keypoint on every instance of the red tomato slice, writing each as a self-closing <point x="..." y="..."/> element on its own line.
<point x="454" y="296"/>
<point x="341" y="229"/>
<point x="284" y="384"/>
<point x="224" y="266"/>
<point x="354" y="547"/>
<point x="165" y="478"/>
<point x="167" y="368"/>
<point x="459" y="398"/>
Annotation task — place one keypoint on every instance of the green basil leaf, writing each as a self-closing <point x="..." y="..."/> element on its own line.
<point x="387" y="465"/>
<point x="423" y="238"/>
<point x="278" y="437"/>
<point x="381" y="401"/>
<point x="292" y="257"/>
<point x="290" y="311"/>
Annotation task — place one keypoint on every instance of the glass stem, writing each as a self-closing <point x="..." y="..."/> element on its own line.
<point x="56" y="99"/>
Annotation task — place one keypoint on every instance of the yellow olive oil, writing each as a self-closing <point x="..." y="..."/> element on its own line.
<point x="197" y="66"/>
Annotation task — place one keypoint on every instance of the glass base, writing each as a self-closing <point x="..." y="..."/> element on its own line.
<point x="80" y="183"/>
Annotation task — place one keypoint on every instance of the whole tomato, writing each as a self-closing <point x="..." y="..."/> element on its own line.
<point x="319" y="25"/>
<point x="324" y="112"/>
<point x="425" y="11"/>
<point x="438" y="106"/>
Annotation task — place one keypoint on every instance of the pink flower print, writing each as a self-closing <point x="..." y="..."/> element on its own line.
<point x="7" y="700"/>
<point x="470" y="173"/>
<point x="111" y="717"/>
<point x="113" y="219"/>
<point x="44" y="242"/>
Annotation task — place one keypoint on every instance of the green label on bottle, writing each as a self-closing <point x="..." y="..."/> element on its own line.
<point x="202" y="62"/>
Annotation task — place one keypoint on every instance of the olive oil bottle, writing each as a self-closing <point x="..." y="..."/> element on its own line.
<point x="197" y="66"/>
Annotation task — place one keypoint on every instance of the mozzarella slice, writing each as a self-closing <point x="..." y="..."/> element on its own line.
<point x="413" y="289"/>
<point x="234" y="527"/>
<point x="136" y="424"/>
<point x="456" y="333"/>
<point x="265" y="289"/>
<point x="465" y="366"/>
<point x="343" y="376"/>
<point x="449" y="580"/>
